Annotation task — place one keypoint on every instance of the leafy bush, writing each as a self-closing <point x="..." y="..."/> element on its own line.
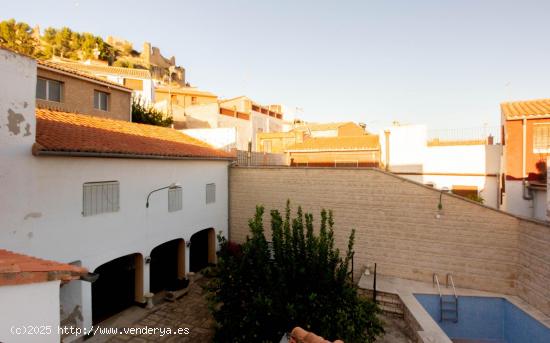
<point x="147" y="114"/>
<point x="263" y="290"/>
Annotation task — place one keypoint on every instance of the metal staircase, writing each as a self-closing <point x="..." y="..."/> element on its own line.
<point x="448" y="303"/>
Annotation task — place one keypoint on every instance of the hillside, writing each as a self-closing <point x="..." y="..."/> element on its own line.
<point x="84" y="46"/>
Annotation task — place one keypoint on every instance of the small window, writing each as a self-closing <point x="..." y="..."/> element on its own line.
<point x="193" y="100"/>
<point x="101" y="100"/>
<point x="175" y="202"/>
<point x="541" y="138"/>
<point x="100" y="197"/>
<point x="210" y="193"/>
<point x="48" y="89"/>
<point x="267" y="146"/>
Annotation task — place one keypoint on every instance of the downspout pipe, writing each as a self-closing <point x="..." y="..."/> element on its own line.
<point x="527" y="193"/>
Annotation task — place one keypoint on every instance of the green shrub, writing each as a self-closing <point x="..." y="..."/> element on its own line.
<point x="147" y="114"/>
<point x="262" y="290"/>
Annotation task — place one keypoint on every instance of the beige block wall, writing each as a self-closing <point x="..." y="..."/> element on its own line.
<point x="396" y="227"/>
<point x="78" y="96"/>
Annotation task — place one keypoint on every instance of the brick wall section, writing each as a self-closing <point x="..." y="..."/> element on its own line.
<point x="534" y="265"/>
<point x="397" y="228"/>
<point x="78" y="96"/>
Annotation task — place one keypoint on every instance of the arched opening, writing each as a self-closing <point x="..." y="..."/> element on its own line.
<point x="119" y="286"/>
<point x="167" y="266"/>
<point x="203" y="249"/>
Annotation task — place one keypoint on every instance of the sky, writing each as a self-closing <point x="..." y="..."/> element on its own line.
<point x="447" y="64"/>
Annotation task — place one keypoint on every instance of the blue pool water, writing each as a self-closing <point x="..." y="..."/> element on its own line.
<point x="488" y="319"/>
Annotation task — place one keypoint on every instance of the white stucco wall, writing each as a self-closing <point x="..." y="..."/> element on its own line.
<point x="34" y="307"/>
<point x="243" y="128"/>
<point x="515" y="204"/>
<point x="41" y="198"/>
<point x="407" y="147"/>
<point x="443" y="166"/>
<point x="222" y="138"/>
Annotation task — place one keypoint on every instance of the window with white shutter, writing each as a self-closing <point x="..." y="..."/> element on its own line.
<point x="175" y="199"/>
<point x="100" y="197"/>
<point x="210" y="193"/>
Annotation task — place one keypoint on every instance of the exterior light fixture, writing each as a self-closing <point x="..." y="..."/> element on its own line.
<point x="172" y="186"/>
<point x="440" y="205"/>
<point x="188" y="244"/>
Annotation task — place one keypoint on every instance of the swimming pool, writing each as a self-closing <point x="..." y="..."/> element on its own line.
<point x="487" y="319"/>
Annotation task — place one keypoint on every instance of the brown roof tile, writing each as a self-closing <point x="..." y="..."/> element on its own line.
<point x="108" y="70"/>
<point x="66" y="69"/>
<point x="83" y="135"/>
<point x="16" y="269"/>
<point x="342" y="143"/>
<point x="321" y="126"/>
<point x="528" y="108"/>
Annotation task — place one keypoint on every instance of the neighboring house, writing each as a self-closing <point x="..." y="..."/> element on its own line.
<point x="278" y="142"/>
<point x="246" y="117"/>
<point x="468" y="167"/>
<point x="139" y="80"/>
<point x="63" y="88"/>
<point x="29" y="294"/>
<point x="526" y="139"/>
<point x="343" y="151"/>
<point x="137" y="205"/>
<point x="262" y="118"/>
<point x="331" y="129"/>
<point x="176" y="101"/>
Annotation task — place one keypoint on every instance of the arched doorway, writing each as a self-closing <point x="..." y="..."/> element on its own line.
<point x="203" y="249"/>
<point x="167" y="266"/>
<point x="119" y="286"/>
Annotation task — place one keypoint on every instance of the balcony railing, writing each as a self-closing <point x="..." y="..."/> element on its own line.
<point x="465" y="136"/>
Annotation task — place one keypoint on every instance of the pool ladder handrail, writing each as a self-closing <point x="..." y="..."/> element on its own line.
<point x="435" y="281"/>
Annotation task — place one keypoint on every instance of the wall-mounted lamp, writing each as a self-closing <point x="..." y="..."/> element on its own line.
<point x="188" y="244"/>
<point x="172" y="186"/>
<point x="147" y="259"/>
<point x="440" y="205"/>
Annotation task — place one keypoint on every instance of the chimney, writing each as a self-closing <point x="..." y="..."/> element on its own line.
<point x="387" y="138"/>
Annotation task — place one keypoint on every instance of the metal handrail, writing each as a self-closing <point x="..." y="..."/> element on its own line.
<point x="450" y="277"/>
<point x="435" y="280"/>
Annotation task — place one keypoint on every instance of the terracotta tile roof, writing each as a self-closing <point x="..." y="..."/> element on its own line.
<point x="91" y="77"/>
<point x="108" y="70"/>
<point x="75" y="134"/>
<point x="322" y="126"/>
<point x="299" y="335"/>
<point x="342" y="143"/>
<point x="528" y="108"/>
<point x="185" y="91"/>
<point x="17" y="269"/>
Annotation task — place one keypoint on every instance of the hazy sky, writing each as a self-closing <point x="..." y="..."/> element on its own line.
<point x="442" y="63"/>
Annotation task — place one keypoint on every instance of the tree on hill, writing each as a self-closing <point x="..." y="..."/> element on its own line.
<point x="261" y="290"/>
<point x="17" y="36"/>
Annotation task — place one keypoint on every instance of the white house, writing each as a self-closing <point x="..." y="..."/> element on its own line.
<point x="246" y="117"/>
<point x="138" y="205"/>
<point x="29" y="294"/>
<point x="469" y="168"/>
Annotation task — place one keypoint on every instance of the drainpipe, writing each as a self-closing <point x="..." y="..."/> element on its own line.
<point x="527" y="193"/>
<point x="387" y="136"/>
